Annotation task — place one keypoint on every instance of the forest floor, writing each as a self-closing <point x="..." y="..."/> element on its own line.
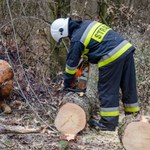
<point x="34" y="104"/>
<point x="86" y="140"/>
<point x="47" y="137"/>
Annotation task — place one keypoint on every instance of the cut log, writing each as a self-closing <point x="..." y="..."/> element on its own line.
<point x="77" y="109"/>
<point x="6" y="77"/>
<point x="73" y="114"/>
<point x="71" y="119"/>
<point x="134" y="133"/>
<point x="6" y="84"/>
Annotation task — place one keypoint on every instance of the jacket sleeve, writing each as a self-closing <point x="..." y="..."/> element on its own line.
<point x="73" y="58"/>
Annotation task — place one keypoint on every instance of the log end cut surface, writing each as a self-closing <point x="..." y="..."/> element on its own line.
<point x="6" y="79"/>
<point x="70" y="119"/>
<point x="137" y="136"/>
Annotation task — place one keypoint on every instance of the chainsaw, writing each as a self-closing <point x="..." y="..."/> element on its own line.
<point x="81" y="77"/>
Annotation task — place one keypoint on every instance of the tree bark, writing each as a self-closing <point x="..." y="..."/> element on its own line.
<point x="82" y="8"/>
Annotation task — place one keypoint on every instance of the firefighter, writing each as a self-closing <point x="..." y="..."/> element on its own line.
<point x="114" y="57"/>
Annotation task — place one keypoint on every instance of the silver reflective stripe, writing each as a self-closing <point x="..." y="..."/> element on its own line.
<point x="131" y="105"/>
<point x="110" y="109"/>
<point x="82" y="40"/>
<point x="71" y="68"/>
<point x="116" y="49"/>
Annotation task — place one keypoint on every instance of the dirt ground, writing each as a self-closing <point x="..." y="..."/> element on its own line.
<point x="46" y="139"/>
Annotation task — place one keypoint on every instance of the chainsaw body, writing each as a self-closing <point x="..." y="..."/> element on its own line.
<point x="81" y="76"/>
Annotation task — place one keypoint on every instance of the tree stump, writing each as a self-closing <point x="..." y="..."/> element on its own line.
<point x="6" y="84"/>
<point x="134" y="133"/>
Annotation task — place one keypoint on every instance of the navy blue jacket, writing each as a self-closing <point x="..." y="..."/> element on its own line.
<point x="96" y="49"/>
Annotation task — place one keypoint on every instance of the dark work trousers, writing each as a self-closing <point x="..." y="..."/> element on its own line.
<point x="112" y="77"/>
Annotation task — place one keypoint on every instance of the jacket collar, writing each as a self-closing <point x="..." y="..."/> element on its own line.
<point x="73" y="26"/>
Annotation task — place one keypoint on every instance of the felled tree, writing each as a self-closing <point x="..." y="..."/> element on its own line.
<point x="77" y="108"/>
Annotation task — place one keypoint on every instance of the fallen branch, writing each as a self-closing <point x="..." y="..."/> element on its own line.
<point x="20" y="130"/>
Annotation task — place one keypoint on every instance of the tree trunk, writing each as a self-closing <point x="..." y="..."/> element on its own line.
<point x="134" y="133"/>
<point x="77" y="108"/>
<point x="82" y="8"/>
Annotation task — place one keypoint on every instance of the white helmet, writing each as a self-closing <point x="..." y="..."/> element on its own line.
<point x="59" y="28"/>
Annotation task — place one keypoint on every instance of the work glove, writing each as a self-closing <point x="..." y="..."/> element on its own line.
<point x="68" y="89"/>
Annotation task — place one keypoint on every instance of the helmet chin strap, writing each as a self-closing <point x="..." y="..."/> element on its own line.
<point x="60" y="40"/>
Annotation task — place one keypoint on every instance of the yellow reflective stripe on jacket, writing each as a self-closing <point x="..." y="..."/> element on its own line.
<point x="132" y="109"/>
<point x="115" y="56"/>
<point x="96" y="31"/>
<point x="111" y="114"/>
<point x="85" y="33"/>
<point x="70" y="71"/>
<point x="90" y="33"/>
<point x="84" y="53"/>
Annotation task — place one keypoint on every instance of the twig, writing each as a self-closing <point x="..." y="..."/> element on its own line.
<point x="65" y="46"/>
<point x="84" y="9"/>
<point x="23" y="17"/>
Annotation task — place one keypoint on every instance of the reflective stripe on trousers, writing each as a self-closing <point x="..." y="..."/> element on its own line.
<point x="131" y="108"/>
<point x="114" y="111"/>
